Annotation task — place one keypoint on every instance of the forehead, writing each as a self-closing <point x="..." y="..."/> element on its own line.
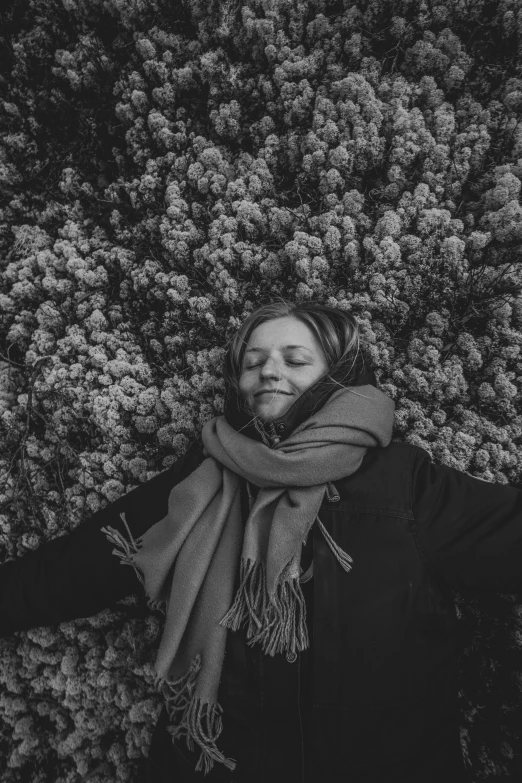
<point x="282" y="333"/>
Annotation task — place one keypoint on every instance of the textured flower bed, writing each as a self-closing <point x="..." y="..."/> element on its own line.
<point x="165" y="168"/>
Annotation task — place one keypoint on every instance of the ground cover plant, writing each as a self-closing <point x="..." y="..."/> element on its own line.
<point x="166" y="167"/>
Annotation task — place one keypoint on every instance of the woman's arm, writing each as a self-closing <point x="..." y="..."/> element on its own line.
<point x="77" y="575"/>
<point x="470" y="529"/>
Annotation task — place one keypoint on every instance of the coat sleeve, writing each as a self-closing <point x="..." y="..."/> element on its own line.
<point x="469" y="530"/>
<point x="76" y="575"/>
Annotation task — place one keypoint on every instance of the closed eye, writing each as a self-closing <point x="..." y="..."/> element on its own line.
<point x="251" y="367"/>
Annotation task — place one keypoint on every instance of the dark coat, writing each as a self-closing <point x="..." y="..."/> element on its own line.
<point x="374" y="700"/>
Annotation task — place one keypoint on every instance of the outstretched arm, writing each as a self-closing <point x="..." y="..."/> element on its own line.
<point x="469" y="529"/>
<point x="77" y="575"/>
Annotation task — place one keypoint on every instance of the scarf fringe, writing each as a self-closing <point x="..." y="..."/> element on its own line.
<point x="128" y="549"/>
<point x="278" y="622"/>
<point x="341" y="556"/>
<point x="197" y="721"/>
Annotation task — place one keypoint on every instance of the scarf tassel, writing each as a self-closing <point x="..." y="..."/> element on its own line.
<point x="342" y="557"/>
<point x="277" y="622"/>
<point x="197" y="721"/>
<point x="126" y="554"/>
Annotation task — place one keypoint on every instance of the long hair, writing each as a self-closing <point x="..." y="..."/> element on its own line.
<point x="336" y="330"/>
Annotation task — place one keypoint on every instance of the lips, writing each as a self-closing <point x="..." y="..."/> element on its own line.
<point x="269" y="391"/>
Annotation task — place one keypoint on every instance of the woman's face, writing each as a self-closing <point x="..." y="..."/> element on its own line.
<point x="282" y="360"/>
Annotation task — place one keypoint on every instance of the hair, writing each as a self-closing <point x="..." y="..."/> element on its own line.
<point x="336" y="330"/>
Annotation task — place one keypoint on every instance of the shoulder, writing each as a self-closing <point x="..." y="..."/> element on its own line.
<point x="397" y="456"/>
<point x="383" y="482"/>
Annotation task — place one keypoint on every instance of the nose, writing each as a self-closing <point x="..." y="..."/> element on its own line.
<point x="270" y="369"/>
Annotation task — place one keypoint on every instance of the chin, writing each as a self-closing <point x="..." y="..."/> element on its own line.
<point x="266" y="412"/>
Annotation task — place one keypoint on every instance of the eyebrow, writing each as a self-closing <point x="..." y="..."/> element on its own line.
<point x="249" y="350"/>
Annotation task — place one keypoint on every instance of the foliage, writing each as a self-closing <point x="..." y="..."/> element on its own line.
<point x="164" y="168"/>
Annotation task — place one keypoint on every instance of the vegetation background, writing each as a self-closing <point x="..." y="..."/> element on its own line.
<point x="165" y="167"/>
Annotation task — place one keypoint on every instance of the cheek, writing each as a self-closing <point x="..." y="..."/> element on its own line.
<point x="311" y="378"/>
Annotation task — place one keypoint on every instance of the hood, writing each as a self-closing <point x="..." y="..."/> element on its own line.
<point x="273" y="431"/>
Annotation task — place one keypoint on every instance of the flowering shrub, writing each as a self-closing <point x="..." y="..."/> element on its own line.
<point x="166" y="167"/>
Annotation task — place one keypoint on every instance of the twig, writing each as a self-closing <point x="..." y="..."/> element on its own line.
<point x="10" y="361"/>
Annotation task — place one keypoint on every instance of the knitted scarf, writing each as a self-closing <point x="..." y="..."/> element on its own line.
<point x="189" y="559"/>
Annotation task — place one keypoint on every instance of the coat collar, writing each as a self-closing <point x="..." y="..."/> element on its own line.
<point x="273" y="431"/>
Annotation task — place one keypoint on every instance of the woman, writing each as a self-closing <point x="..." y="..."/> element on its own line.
<point x="306" y="565"/>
